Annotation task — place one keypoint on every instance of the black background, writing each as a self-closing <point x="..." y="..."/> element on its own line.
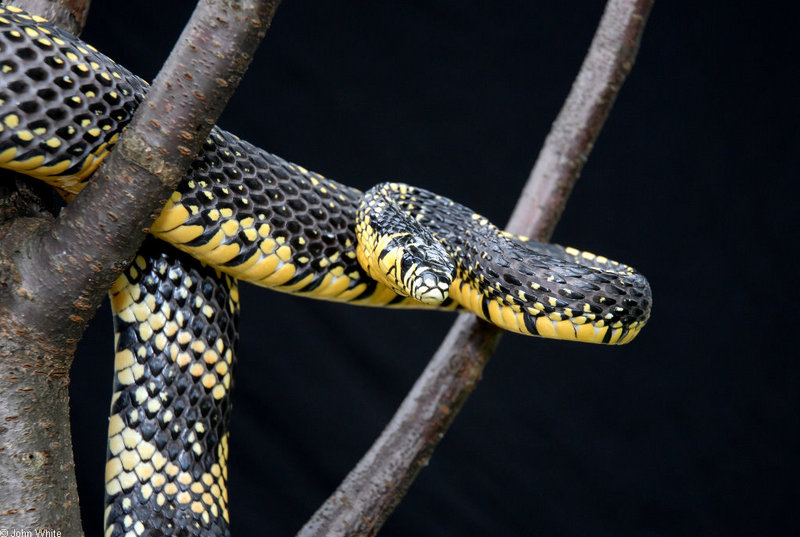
<point x="691" y="429"/>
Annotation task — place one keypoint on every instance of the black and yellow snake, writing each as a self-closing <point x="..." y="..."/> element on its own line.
<point x="248" y="215"/>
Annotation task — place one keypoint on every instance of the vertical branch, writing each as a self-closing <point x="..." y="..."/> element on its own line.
<point x="36" y="463"/>
<point x="54" y="273"/>
<point x="572" y="136"/>
<point x="370" y="492"/>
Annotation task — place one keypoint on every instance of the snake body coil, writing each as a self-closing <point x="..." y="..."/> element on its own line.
<point x="249" y="215"/>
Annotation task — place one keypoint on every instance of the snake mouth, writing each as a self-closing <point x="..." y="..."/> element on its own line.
<point x="427" y="272"/>
<point x="431" y="287"/>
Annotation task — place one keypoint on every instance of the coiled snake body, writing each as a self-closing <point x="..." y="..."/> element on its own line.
<point x="249" y="215"/>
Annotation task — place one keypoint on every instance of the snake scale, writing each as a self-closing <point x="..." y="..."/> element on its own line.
<point x="242" y="214"/>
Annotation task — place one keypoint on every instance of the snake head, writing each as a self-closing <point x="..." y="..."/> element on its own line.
<point x="426" y="272"/>
<point x="410" y="265"/>
<point x="396" y="250"/>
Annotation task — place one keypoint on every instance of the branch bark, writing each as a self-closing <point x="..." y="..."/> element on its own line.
<point x="98" y="233"/>
<point x="54" y="273"/>
<point x="35" y="440"/>
<point x="370" y="492"/>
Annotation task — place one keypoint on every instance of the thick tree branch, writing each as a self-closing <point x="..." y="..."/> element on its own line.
<point x="54" y="273"/>
<point x="36" y="463"/>
<point x="375" y="486"/>
<point x="98" y="233"/>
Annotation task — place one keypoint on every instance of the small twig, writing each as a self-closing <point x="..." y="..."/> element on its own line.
<point x="369" y="494"/>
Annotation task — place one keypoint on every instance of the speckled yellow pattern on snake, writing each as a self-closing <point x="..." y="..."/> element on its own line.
<point x="251" y="216"/>
<point x="176" y="339"/>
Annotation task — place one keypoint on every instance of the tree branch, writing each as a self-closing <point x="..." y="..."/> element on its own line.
<point x="370" y="492"/>
<point x="571" y="139"/>
<point x="98" y="233"/>
<point x="35" y="441"/>
<point x="54" y="273"/>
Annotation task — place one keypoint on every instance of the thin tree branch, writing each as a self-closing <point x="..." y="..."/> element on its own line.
<point x="371" y="491"/>
<point x="54" y="273"/>
<point x="571" y="139"/>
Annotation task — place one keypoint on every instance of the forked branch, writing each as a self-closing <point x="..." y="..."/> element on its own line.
<point x="369" y="494"/>
<point x="54" y="272"/>
<point x="102" y="228"/>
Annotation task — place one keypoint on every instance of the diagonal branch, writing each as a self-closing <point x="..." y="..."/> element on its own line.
<point x="54" y="273"/>
<point x="368" y="495"/>
<point x="98" y="233"/>
<point x="571" y="139"/>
